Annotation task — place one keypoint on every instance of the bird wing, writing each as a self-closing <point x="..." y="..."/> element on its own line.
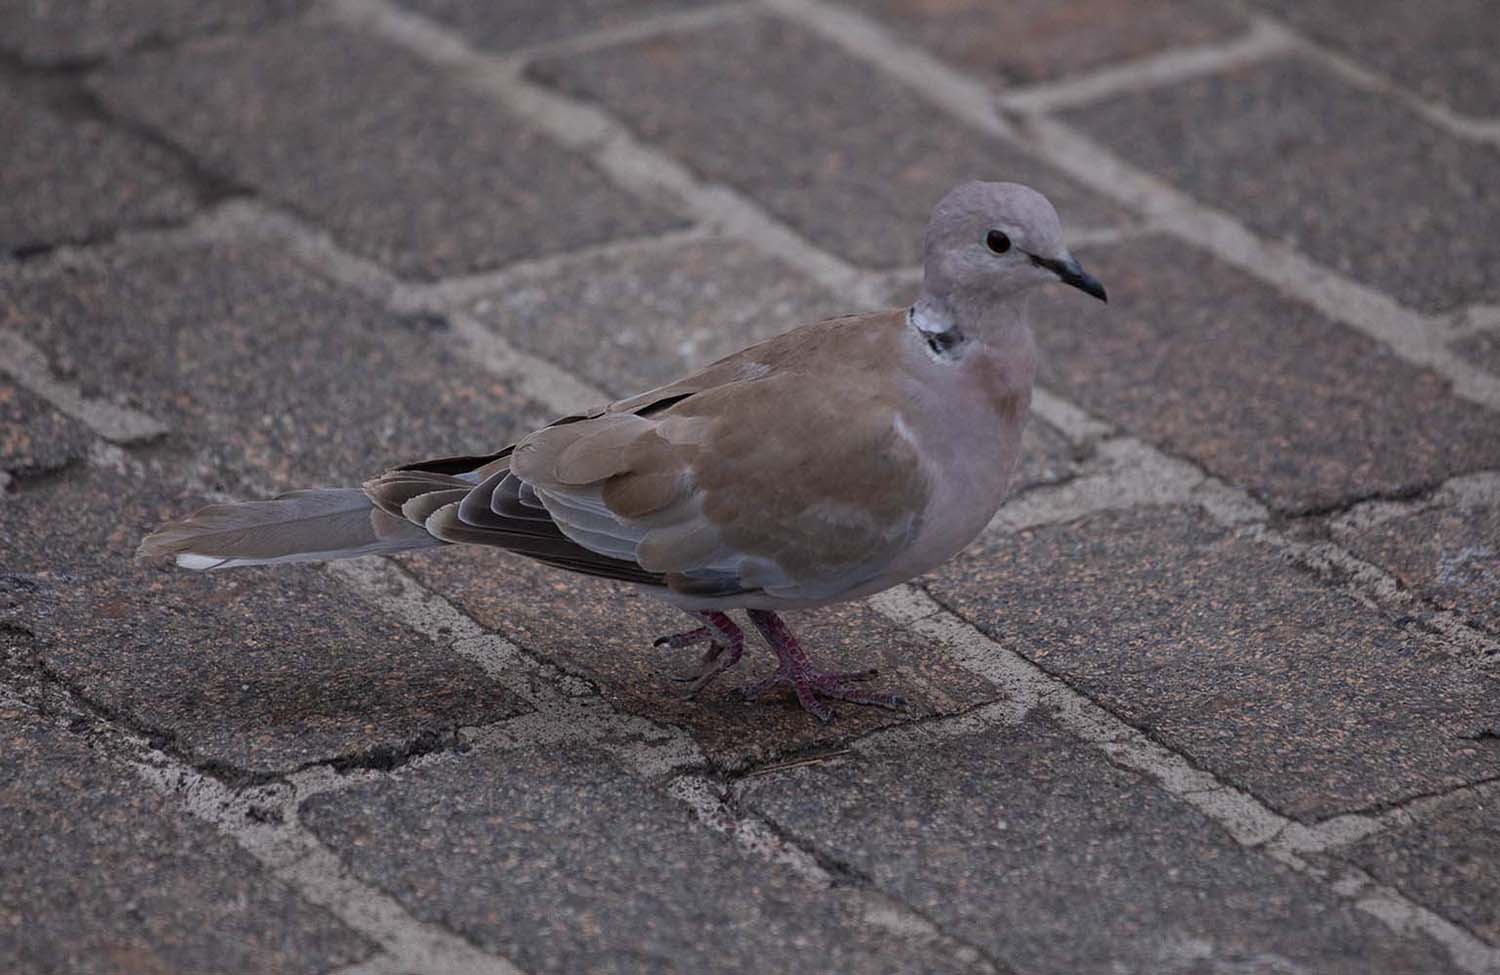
<point x="782" y="468"/>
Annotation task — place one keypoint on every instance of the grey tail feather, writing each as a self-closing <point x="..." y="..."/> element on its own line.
<point x="318" y="525"/>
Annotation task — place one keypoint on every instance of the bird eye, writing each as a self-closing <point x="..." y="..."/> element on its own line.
<point x="997" y="242"/>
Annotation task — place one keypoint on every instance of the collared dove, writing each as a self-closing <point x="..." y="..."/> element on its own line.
<point x="826" y="464"/>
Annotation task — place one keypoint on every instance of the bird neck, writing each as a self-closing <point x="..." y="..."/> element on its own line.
<point x="949" y="328"/>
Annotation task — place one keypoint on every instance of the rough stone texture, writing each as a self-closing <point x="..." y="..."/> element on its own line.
<point x="1040" y="40"/>
<point x="649" y="316"/>
<point x="564" y="862"/>
<point x="98" y="875"/>
<point x="1034" y="847"/>
<point x="1300" y="154"/>
<point x="65" y="32"/>
<point x="1217" y="648"/>
<point x="604" y="630"/>
<point x="70" y="180"/>
<point x="246" y="673"/>
<point x="1483" y="348"/>
<point x="1450" y="554"/>
<point x="1444" y="50"/>
<point x="272" y="377"/>
<point x="1449" y="860"/>
<point x="504" y="25"/>
<point x="407" y="167"/>
<point x="1205" y="361"/>
<point x="35" y="438"/>
<point x="842" y="153"/>
<point x="277" y="377"/>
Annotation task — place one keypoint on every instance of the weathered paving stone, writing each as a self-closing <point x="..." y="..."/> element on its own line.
<point x="35" y="438"/>
<point x="1219" y="649"/>
<point x="407" y="167"/>
<point x="1205" y="361"/>
<point x="1482" y="348"/>
<point x="246" y="673"/>
<point x="99" y="875"/>
<point x="1445" y="51"/>
<point x="1299" y="154"/>
<point x="1449" y="861"/>
<point x="276" y="376"/>
<point x="71" y="180"/>
<point x="847" y="156"/>
<point x="510" y="24"/>
<point x="604" y="631"/>
<point x="648" y="316"/>
<point x="1034" y="847"/>
<point x="53" y="32"/>
<point x="562" y="861"/>
<point x="1449" y="552"/>
<point x="1038" y="40"/>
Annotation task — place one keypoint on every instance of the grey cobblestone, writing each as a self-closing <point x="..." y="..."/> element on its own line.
<point x="673" y="191"/>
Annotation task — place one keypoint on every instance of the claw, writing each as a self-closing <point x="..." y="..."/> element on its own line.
<point x="794" y="670"/>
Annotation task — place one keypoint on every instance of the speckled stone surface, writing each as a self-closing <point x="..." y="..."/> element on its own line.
<point x="1442" y="50"/>
<point x="564" y="862"/>
<point x="604" y="630"/>
<point x="1036" y="848"/>
<point x="248" y="673"/>
<point x="71" y="180"/>
<point x="1216" y="647"/>
<point x="274" y="376"/>
<point x="70" y="32"/>
<point x="1205" y="361"/>
<point x="35" y="438"/>
<point x="1450" y="859"/>
<point x="845" y="155"/>
<point x="505" y="25"/>
<point x="277" y="112"/>
<point x="1482" y="348"/>
<point x="100" y="876"/>
<point x="1448" y="553"/>
<point x="1028" y="41"/>
<point x="1298" y="153"/>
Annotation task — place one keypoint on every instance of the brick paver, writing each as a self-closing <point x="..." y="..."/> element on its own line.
<point x="846" y="156"/>
<point x="1301" y="154"/>
<point x="1131" y="722"/>
<point x="98" y="875"/>
<point x="68" y="180"/>
<point x="492" y="189"/>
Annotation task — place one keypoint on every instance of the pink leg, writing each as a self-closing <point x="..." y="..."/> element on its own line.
<point x="726" y="646"/>
<point x="809" y="684"/>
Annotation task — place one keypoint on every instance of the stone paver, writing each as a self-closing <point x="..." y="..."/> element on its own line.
<point x="68" y="180"/>
<point x="504" y="25"/>
<point x="1036" y="848"/>
<point x="1482" y="348"/>
<point x="1301" y="155"/>
<point x="1206" y="361"/>
<point x="1450" y="859"/>
<point x="848" y="157"/>
<point x="61" y="32"/>
<point x="250" y="673"/>
<point x="1444" y="50"/>
<point x="1218" y="648"/>
<point x="512" y="852"/>
<point x="34" y="438"/>
<point x="277" y="111"/>
<point x="1449" y="553"/>
<point x="604" y="630"/>
<point x="99" y="875"/>
<point x="647" y="317"/>
<point x="1039" y="40"/>
<point x="264" y="366"/>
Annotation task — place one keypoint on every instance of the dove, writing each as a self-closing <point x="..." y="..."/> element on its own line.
<point x="826" y="464"/>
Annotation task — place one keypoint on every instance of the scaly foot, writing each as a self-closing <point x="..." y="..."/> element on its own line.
<point x="809" y="684"/>
<point x="726" y="646"/>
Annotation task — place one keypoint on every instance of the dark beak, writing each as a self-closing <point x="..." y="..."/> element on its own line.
<point x="1072" y="273"/>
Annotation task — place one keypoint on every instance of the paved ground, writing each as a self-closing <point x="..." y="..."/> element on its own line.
<point x="1218" y="692"/>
